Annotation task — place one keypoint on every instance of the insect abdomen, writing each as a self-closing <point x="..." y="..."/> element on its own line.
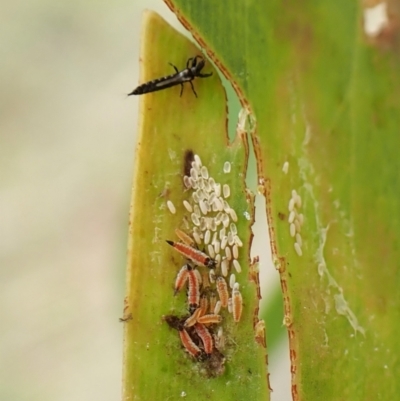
<point x="156" y="85"/>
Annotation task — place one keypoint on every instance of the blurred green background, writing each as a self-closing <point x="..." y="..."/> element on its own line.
<point x="67" y="144"/>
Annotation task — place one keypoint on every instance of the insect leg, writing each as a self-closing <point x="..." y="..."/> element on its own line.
<point x="181" y="90"/>
<point x="174" y="67"/>
<point x="189" y="62"/>
<point x="191" y="84"/>
<point x="204" y="75"/>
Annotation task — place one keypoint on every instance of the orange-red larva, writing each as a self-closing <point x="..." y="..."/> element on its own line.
<point x="196" y="256"/>
<point x="209" y="319"/>
<point x="205" y="336"/>
<point x="193" y="289"/>
<point x="181" y="278"/>
<point x="203" y="304"/>
<point x="213" y="301"/>
<point x="222" y="289"/>
<point x="188" y="343"/>
<point x="184" y="237"/>
<point x="205" y="280"/>
<point x="192" y="319"/>
<point x="237" y="303"/>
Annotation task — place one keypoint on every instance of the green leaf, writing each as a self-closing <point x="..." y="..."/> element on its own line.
<point x="326" y="100"/>
<point x="156" y="366"/>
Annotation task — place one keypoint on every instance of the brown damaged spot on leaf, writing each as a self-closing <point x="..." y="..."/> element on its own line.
<point x="188" y="158"/>
<point x="269" y="383"/>
<point x="126" y="315"/>
<point x="259" y="335"/>
<point x="280" y="262"/>
<point x="125" y="318"/>
<point x="211" y="365"/>
<point x="175" y="322"/>
<point x="382" y="24"/>
<point x="295" y="394"/>
<point x="254" y="275"/>
<point x="281" y="216"/>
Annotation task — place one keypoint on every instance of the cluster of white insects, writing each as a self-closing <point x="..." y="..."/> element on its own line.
<point x="296" y="220"/>
<point x="211" y="246"/>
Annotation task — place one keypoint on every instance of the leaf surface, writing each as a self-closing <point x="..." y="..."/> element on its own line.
<point x="156" y="367"/>
<point x="325" y="97"/>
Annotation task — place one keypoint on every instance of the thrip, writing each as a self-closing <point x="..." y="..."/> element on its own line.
<point x="193" y="69"/>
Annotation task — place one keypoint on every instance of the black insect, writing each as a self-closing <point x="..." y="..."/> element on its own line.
<point x="193" y="69"/>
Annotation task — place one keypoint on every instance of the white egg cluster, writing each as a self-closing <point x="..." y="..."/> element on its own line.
<point x="213" y="218"/>
<point x="296" y="220"/>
